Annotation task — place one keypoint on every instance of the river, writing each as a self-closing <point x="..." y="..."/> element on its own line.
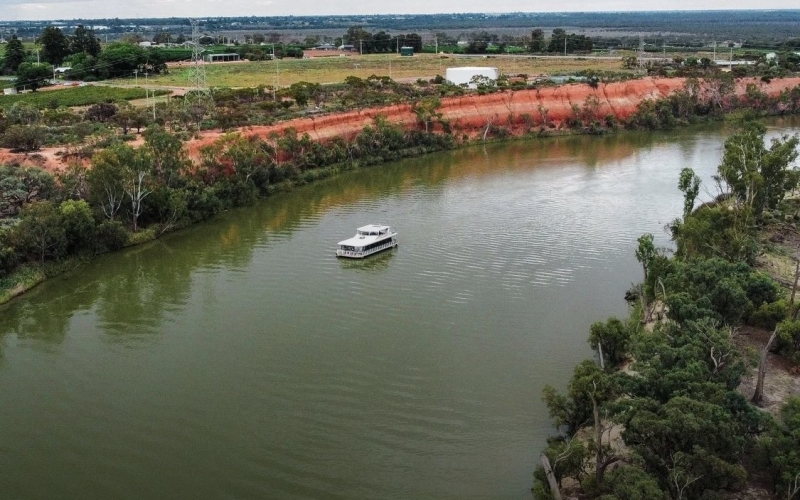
<point x="240" y="359"/>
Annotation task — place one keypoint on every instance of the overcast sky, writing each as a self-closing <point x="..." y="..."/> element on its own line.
<point x="94" y="9"/>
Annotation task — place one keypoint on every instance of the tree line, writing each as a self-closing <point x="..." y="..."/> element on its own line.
<point x="660" y="401"/>
<point x="133" y="194"/>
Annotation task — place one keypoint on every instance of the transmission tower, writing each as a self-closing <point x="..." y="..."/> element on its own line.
<point x="198" y="102"/>
<point x="640" y="56"/>
<point x="197" y="73"/>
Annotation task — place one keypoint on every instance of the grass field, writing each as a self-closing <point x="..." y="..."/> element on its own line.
<point x="284" y="72"/>
<point x="73" y="96"/>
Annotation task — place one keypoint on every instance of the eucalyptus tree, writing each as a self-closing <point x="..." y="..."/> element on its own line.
<point x="121" y="175"/>
<point x="758" y="177"/>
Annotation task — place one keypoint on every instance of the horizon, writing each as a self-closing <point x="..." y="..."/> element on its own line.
<point x="88" y="10"/>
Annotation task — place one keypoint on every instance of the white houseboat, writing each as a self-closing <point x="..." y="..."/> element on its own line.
<point x="368" y="240"/>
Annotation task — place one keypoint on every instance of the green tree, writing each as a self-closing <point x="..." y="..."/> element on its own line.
<point x="120" y="174"/>
<point x="33" y="75"/>
<point x="40" y="231"/>
<point x="79" y="226"/>
<point x="557" y="41"/>
<point x="759" y="177"/>
<point x="537" y="41"/>
<point x="427" y="110"/>
<point x="689" y="184"/>
<point x="632" y="483"/>
<point x="101" y="112"/>
<point x="120" y="60"/>
<point x="83" y="40"/>
<point x="20" y="186"/>
<point x="714" y="288"/>
<point x="55" y="46"/>
<point x="82" y="66"/>
<point x="358" y="37"/>
<point x="479" y="42"/>
<point x="15" y="54"/>
<point x="167" y="154"/>
<point x="23" y="139"/>
<point x="780" y="450"/>
<point x="23" y="113"/>
<point x="105" y="182"/>
<point x="689" y="445"/>
<point x="612" y="340"/>
<point x="717" y="231"/>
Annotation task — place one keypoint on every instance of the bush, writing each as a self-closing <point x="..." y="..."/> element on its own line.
<point x="40" y="233"/>
<point x="111" y="235"/>
<point x="769" y="314"/>
<point x="23" y="138"/>
<point x="614" y="337"/>
<point x="8" y="256"/>
<point x="79" y="226"/>
<point x="789" y="338"/>
<point x="142" y="236"/>
<point x="202" y="202"/>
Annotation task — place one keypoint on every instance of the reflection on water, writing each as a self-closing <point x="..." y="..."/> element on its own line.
<point x="373" y="263"/>
<point x="240" y="358"/>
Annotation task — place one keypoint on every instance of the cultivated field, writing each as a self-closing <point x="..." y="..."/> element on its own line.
<point x="284" y="72"/>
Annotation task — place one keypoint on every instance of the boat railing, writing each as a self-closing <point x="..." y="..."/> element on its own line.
<point x="364" y="253"/>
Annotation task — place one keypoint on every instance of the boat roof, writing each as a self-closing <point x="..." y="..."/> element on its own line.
<point x="363" y="236"/>
<point x="373" y="227"/>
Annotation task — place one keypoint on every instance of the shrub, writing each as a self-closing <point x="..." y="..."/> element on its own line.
<point x="111" y="235"/>
<point x="79" y="225"/>
<point x="23" y="138"/>
<point x="769" y="314"/>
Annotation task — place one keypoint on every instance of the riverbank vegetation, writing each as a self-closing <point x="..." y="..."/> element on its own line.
<point x="134" y="194"/>
<point x="661" y="412"/>
<point x="113" y="194"/>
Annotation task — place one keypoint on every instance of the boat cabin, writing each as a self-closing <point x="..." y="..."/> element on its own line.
<point x="369" y="239"/>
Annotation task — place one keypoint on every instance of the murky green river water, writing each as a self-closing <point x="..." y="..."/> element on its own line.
<point x="239" y="359"/>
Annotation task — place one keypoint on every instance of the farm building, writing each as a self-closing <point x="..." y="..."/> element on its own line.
<point x="464" y="75"/>
<point x="222" y="57"/>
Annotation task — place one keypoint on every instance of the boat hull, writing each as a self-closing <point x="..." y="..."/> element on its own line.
<point x="360" y="254"/>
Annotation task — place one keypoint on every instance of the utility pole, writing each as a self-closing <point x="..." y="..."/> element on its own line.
<point x="147" y="94"/>
<point x="715" y="51"/>
<point x="361" y="46"/>
<point x="565" y="45"/>
<point x="277" y="74"/>
<point x="436" y="43"/>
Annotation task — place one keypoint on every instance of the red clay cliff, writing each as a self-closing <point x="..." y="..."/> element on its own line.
<point x="470" y="115"/>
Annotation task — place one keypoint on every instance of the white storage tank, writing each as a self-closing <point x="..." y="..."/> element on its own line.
<point x="465" y="74"/>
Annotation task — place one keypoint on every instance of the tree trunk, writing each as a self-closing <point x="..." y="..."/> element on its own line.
<point x="551" y="477"/>
<point x="598" y="442"/>
<point x="792" y="309"/>
<point x="645" y="306"/>
<point x="758" y="396"/>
